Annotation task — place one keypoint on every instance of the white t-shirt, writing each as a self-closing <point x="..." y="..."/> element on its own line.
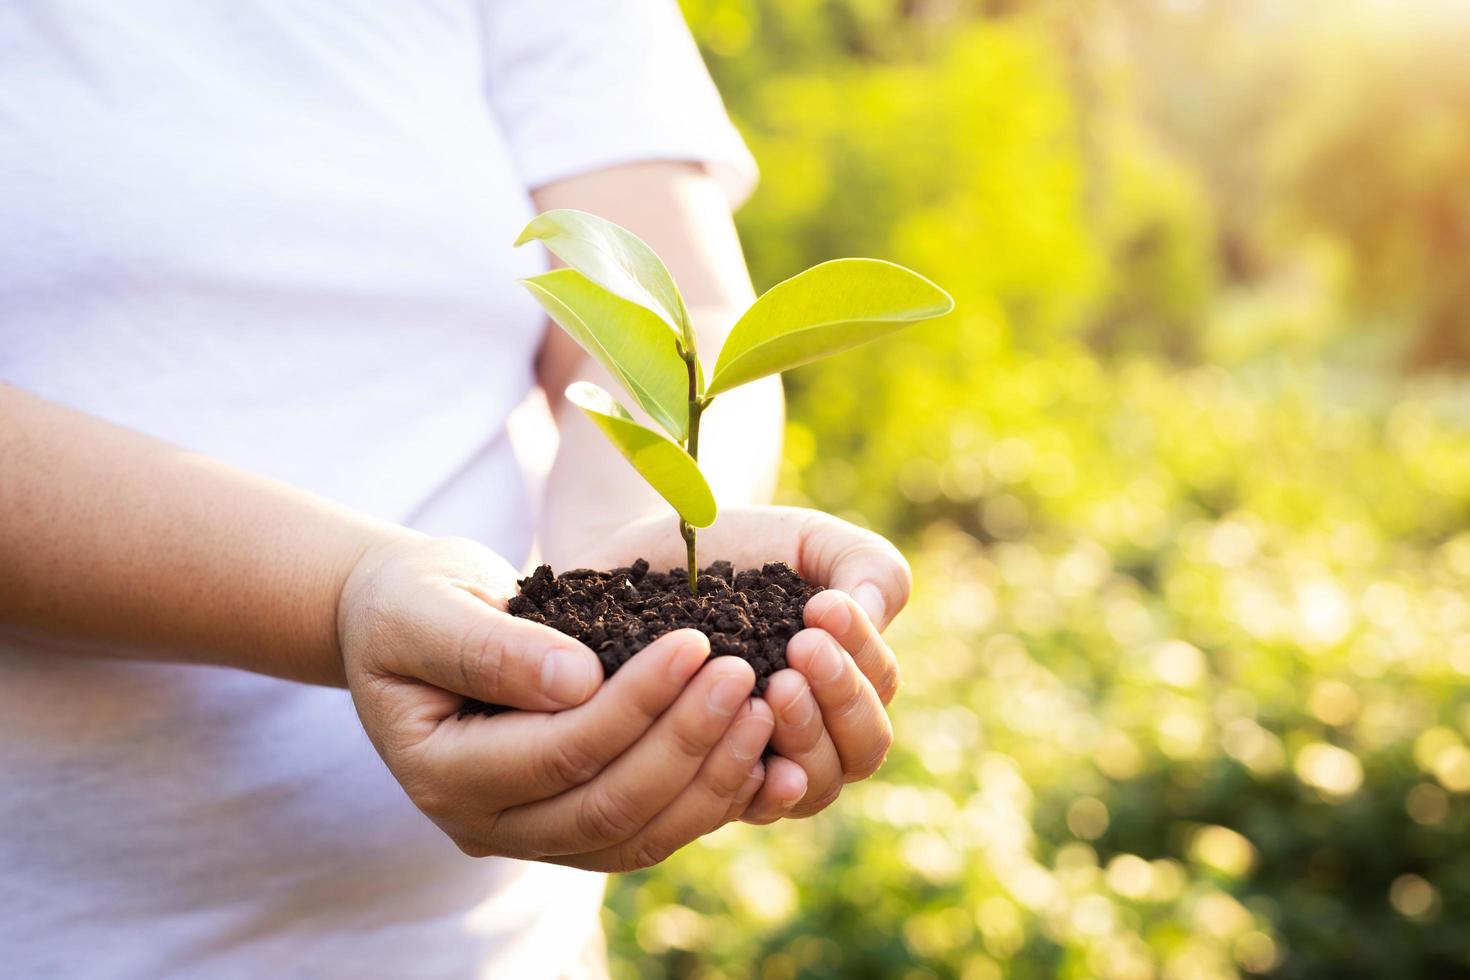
<point x="279" y="233"/>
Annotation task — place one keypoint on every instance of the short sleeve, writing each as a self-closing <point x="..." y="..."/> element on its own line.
<point x="583" y="84"/>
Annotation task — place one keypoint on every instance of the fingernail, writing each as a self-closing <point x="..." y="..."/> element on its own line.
<point x="727" y="695"/>
<point x="871" y="599"/>
<point x="800" y="711"/>
<point x="568" y="676"/>
<point x="830" y="662"/>
<point x="749" y="739"/>
<point x="758" y="771"/>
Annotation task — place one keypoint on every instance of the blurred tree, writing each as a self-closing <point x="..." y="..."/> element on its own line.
<point x="1186" y="672"/>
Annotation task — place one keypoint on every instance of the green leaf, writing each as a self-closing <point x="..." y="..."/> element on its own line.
<point x="665" y="465"/>
<point x="824" y="310"/>
<point x="627" y="339"/>
<point x="615" y="259"/>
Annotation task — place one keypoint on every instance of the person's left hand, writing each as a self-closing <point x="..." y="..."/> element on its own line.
<point x="831" y="726"/>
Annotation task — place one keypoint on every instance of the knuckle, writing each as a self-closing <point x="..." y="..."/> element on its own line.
<point x="648" y="703"/>
<point x="821" y="605"/>
<point x="689" y="742"/>
<point x="729" y="782"/>
<point x="481" y="665"/>
<point x="891" y="682"/>
<point x="887" y="682"/>
<point x="851" y="705"/>
<point x="569" y="763"/>
<point x="872" y="761"/>
<point x="808" y="738"/>
<point x="606" y="818"/>
<point x="642" y="854"/>
<point x="819" y="803"/>
<point x="739" y="798"/>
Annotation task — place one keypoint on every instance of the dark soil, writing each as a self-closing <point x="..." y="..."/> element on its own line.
<point x="750" y="614"/>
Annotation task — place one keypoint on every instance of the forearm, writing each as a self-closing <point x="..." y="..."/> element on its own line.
<point x="126" y="546"/>
<point x="684" y="217"/>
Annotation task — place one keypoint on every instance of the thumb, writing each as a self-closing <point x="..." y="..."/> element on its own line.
<point x="465" y="645"/>
<point x="851" y="559"/>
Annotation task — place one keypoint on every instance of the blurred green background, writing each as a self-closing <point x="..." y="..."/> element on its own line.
<point x="1185" y="480"/>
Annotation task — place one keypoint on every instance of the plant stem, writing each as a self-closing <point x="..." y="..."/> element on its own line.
<point x="696" y="408"/>
<point x="687" y="531"/>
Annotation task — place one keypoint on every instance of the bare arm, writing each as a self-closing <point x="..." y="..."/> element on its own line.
<point x="118" y="542"/>
<point x="125" y="546"/>
<point x="683" y="214"/>
<point x="110" y="537"/>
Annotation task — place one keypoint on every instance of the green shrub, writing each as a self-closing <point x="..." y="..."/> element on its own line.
<point x="1186" y="668"/>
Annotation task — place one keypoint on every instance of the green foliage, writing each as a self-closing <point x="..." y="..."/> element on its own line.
<point x="1187" y="670"/>
<point x="614" y="259"/>
<point x="630" y="340"/>
<point x="664" y="464"/>
<point x="825" y="310"/>
<point x="617" y="301"/>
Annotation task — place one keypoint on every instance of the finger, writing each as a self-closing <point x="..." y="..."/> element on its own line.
<point x="824" y="549"/>
<point x="701" y="807"/>
<point x="461" y="643"/>
<point x="865" y="565"/>
<point x="851" y="711"/>
<point x="784" y="787"/>
<point x="839" y="615"/>
<point x="518" y="757"/>
<point x="801" y="737"/>
<point x="746" y="793"/>
<point x="630" y="792"/>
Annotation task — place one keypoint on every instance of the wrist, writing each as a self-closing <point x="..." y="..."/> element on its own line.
<point x="353" y="584"/>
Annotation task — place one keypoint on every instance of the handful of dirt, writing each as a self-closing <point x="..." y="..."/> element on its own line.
<point x="750" y="614"/>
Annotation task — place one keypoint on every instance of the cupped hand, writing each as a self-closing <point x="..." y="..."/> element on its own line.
<point x="831" y="726"/>
<point x="666" y="751"/>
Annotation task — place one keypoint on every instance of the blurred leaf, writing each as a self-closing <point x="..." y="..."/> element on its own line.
<point x="631" y="341"/>
<point x="827" y="309"/>
<point x="667" y="467"/>
<point x="615" y="259"/>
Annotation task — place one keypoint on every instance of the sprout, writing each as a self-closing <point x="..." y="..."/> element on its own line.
<point x="619" y="303"/>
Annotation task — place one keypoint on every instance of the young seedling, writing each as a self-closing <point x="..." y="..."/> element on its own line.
<point x="617" y="300"/>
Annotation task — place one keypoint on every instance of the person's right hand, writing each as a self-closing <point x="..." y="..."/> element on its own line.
<point x="608" y="775"/>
